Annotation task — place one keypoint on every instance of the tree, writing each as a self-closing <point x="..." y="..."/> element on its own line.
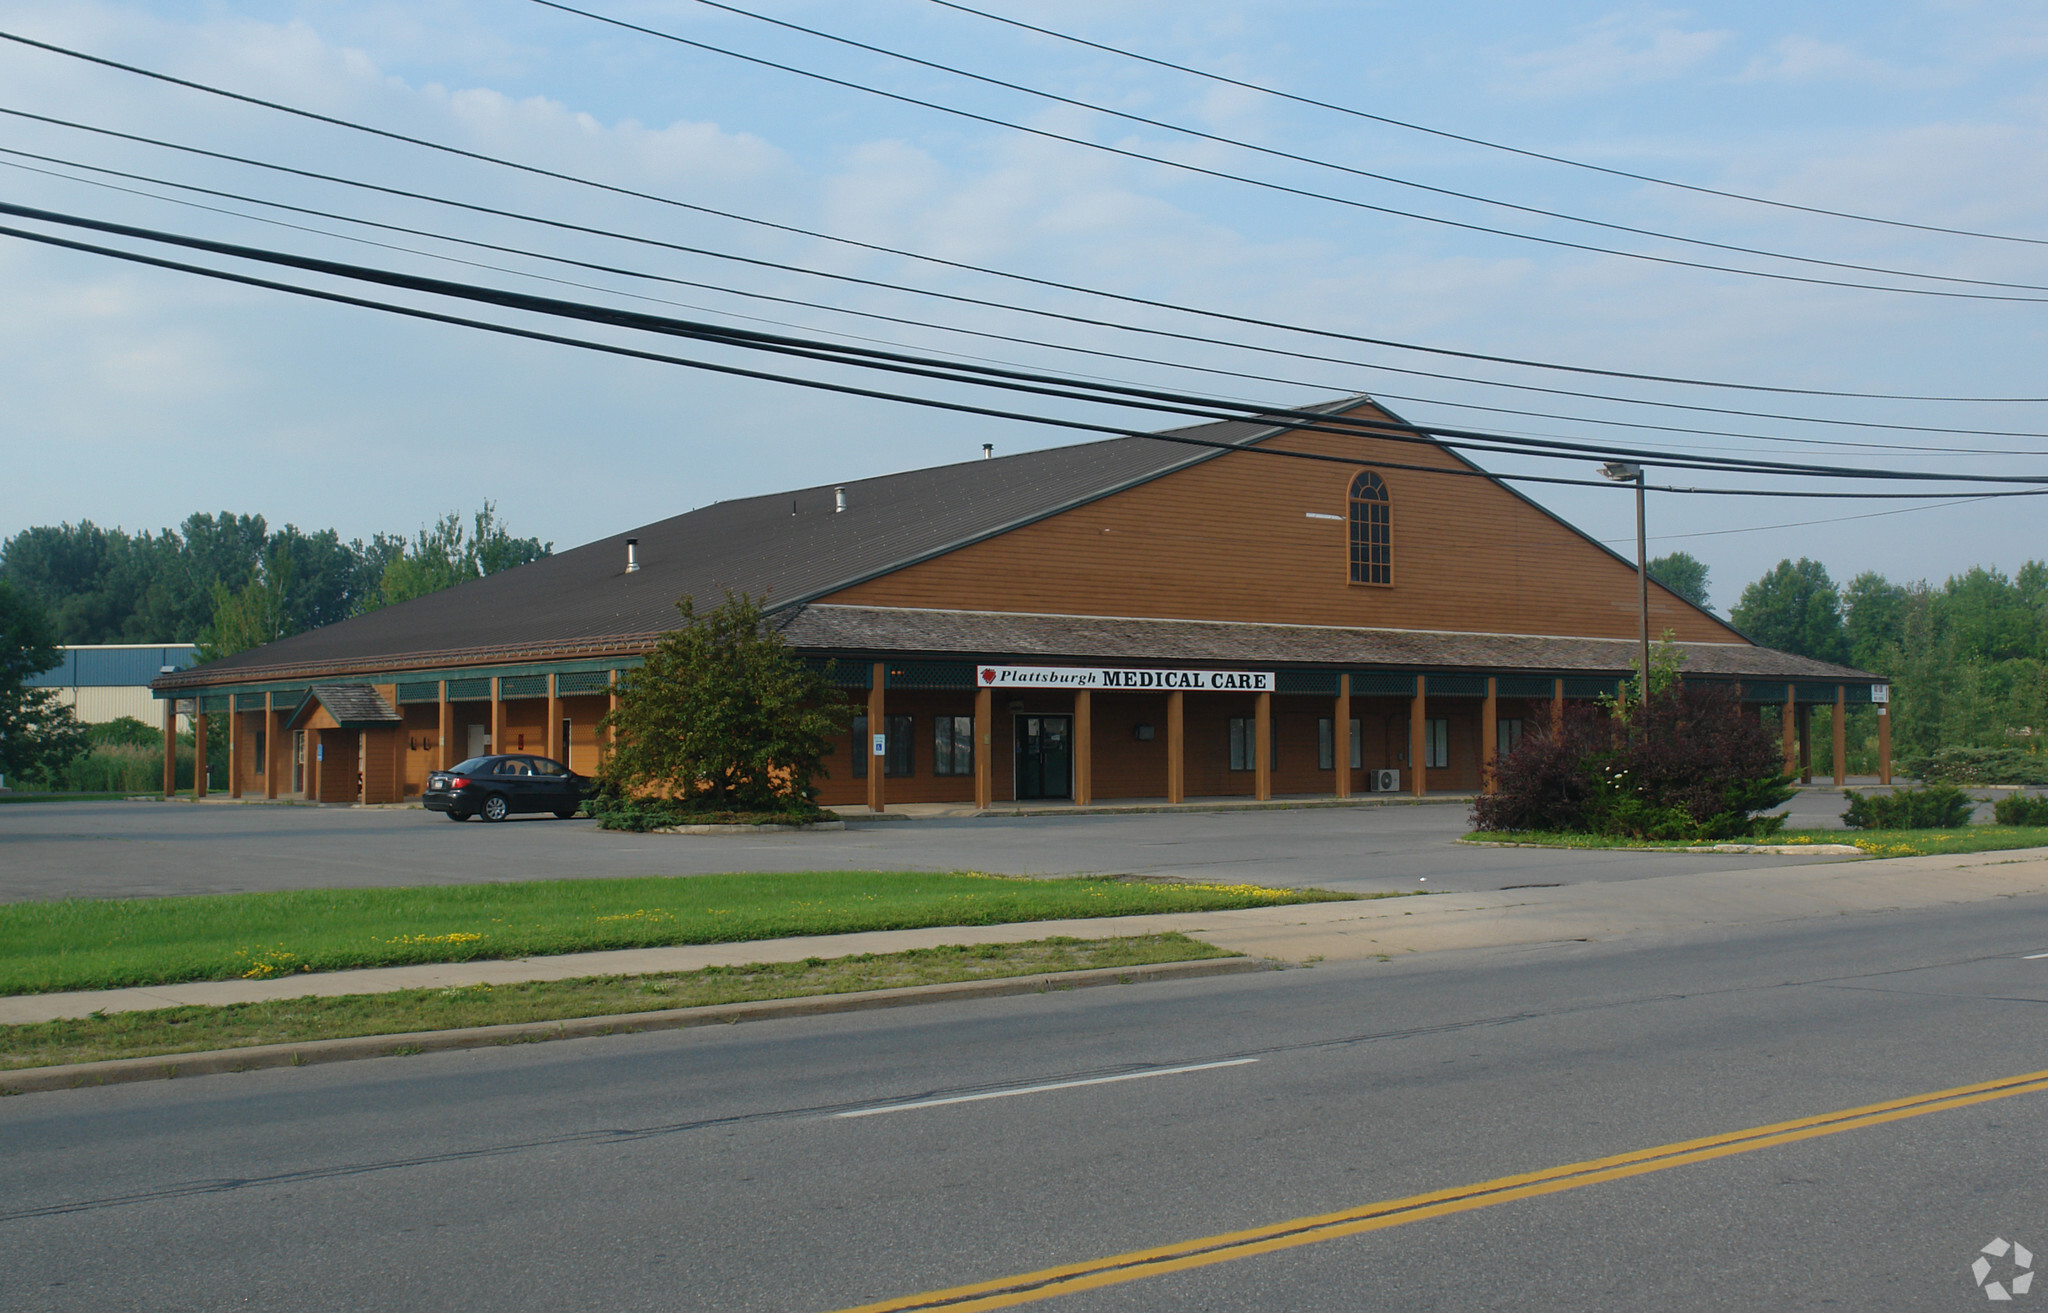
<point x="38" y="734"/>
<point x="1795" y="608"/>
<point x="1684" y="574"/>
<point x="258" y="614"/>
<point x="448" y="554"/>
<point x="722" y="717"/>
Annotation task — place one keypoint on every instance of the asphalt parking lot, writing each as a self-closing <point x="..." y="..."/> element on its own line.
<point x="150" y="848"/>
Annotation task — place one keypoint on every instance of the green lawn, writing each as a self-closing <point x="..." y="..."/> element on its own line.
<point x="290" y="1021"/>
<point x="1877" y="843"/>
<point x="85" y="943"/>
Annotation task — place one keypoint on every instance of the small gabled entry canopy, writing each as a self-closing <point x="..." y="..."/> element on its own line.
<point x="349" y="706"/>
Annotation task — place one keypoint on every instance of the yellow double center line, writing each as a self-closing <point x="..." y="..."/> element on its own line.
<point x="1139" y="1264"/>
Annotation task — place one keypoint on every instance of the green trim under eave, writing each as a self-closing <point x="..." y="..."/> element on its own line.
<point x="412" y="677"/>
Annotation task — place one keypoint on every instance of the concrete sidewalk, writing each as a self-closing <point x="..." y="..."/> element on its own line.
<point x="1346" y="931"/>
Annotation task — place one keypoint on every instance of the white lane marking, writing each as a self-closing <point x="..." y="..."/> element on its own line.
<point x="2034" y="957"/>
<point x="1042" y="1089"/>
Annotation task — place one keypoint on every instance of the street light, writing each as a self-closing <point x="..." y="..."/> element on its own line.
<point x="1622" y="472"/>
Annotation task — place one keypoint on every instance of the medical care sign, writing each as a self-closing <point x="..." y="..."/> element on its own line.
<point x="1194" y="681"/>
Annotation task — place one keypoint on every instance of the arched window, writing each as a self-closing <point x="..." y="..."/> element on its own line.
<point x="1372" y="546"/>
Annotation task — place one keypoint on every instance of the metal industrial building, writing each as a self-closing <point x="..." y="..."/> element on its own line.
<point x="1132" y="618"/>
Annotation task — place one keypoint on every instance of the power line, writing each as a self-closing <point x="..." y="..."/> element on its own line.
<point x="1464" y="470"/>
<point x="896" y="319"/>
<point x="1490" y="145"/>
<point x="1148" y="399"/>
<point x="1241" y="144"/>
<point x="1224" y="316"/>
<point x="959" y="298"/>
<point x="1802" y="524"/>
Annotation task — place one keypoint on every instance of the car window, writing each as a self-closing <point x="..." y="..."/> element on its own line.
<point x="513" y="766"/>
<point x="542" y="766"/>
<point x="470" y="767"/>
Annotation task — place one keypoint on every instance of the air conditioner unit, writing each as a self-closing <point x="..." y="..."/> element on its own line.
<point x="1383" y="781"/>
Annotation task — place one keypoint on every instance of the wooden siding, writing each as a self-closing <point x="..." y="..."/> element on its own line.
<point x="1127" y="767"/>
<point x="1230" y="539"/>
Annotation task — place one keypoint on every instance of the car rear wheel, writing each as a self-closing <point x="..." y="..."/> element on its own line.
<point x="455" y="816"/>
<point x="563" y="814"/>
<point x="496" y="808"/>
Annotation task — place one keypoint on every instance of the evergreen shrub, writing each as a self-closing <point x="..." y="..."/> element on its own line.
<point x="2020" y="809"/>
<point x="1938" y="807"/>
<point x="1967" y="765"/>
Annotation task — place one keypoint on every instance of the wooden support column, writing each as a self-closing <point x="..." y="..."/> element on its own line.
<point x="1805" y="721"/>
<point x="1789" y="718"/>
<point x="1556" y="706"/>
<point x="277" y="751"/>
<point x="611" y="705"/>
<point x="1176" y="747"/>
<point x="1841" y="735"/>
<point x="170" y="746"/>
<point x="984" y="747"/>
<point x="1084" y="747"/>
<point x="1884" y="740"/>
<point x="1340" y="737"/>
<point x="444" y="752"/>
<point x="199" y="755"/>
<point x="234" y="748"/>
<point x="1489" y="735"/>
<point x="557" y="749"/>
<point x="497" y="743"/>
<point x="1418" y="738"/>
<point x="1262" y="752"/>
<point x="876" y="801"/>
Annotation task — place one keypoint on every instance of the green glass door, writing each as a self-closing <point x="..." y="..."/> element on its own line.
<point x="1045" y="757"/>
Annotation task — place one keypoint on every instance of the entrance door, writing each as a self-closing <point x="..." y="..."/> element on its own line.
<point x="1045" y="757"/>
<point x="479" y="740"/>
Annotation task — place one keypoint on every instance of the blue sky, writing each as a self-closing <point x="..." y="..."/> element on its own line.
<point x="133" y="397"/>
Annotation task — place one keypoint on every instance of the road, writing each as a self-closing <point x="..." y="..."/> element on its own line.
<point x="137" y="849"/>
<point x="712" y="1170"/>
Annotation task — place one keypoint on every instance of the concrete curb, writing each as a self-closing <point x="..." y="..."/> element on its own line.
<point x="750" y="829"/>
<point x="122" y="1071"/>
<point x="1753" y="849"/>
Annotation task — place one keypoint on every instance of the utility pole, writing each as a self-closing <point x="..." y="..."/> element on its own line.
<point x="1622" y="472"/>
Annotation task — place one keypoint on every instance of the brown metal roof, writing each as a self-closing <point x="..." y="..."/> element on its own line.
<point x="995" y="635"/>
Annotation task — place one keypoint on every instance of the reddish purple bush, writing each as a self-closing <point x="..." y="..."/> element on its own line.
<point x="1689" y="765"/>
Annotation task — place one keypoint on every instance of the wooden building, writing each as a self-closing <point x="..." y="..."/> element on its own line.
<point x="1134" y="618"/>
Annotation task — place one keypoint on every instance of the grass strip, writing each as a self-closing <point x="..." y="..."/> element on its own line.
<point x="88" y="943"/>
<point x="1877" y="843"/>
<point x="64" y="797"/>
<point x="300" y="1020"/>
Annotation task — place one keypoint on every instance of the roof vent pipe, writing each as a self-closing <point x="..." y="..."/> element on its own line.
<point x="838" y="500"/>
<point x="988" y="451"/>
<point x="632" y="555"/>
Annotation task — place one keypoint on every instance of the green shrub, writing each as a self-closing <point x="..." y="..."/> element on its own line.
<point x="639" y="815"/>
<point x="1941" y="807"/>
<point x="1962" y="765"/>
<point x="2020" y="810"/>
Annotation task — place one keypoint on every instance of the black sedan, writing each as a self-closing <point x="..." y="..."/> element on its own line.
<point x="496" y="787"/>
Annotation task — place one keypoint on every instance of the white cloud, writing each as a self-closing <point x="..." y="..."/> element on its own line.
<point x="1796" y="59"/>
<point x="1621" y="50"/>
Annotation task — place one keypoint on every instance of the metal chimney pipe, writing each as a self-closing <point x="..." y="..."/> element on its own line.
<point x="988" y="451"/>
<point x="632" y="555"/>
<point x="838" y="500"/>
